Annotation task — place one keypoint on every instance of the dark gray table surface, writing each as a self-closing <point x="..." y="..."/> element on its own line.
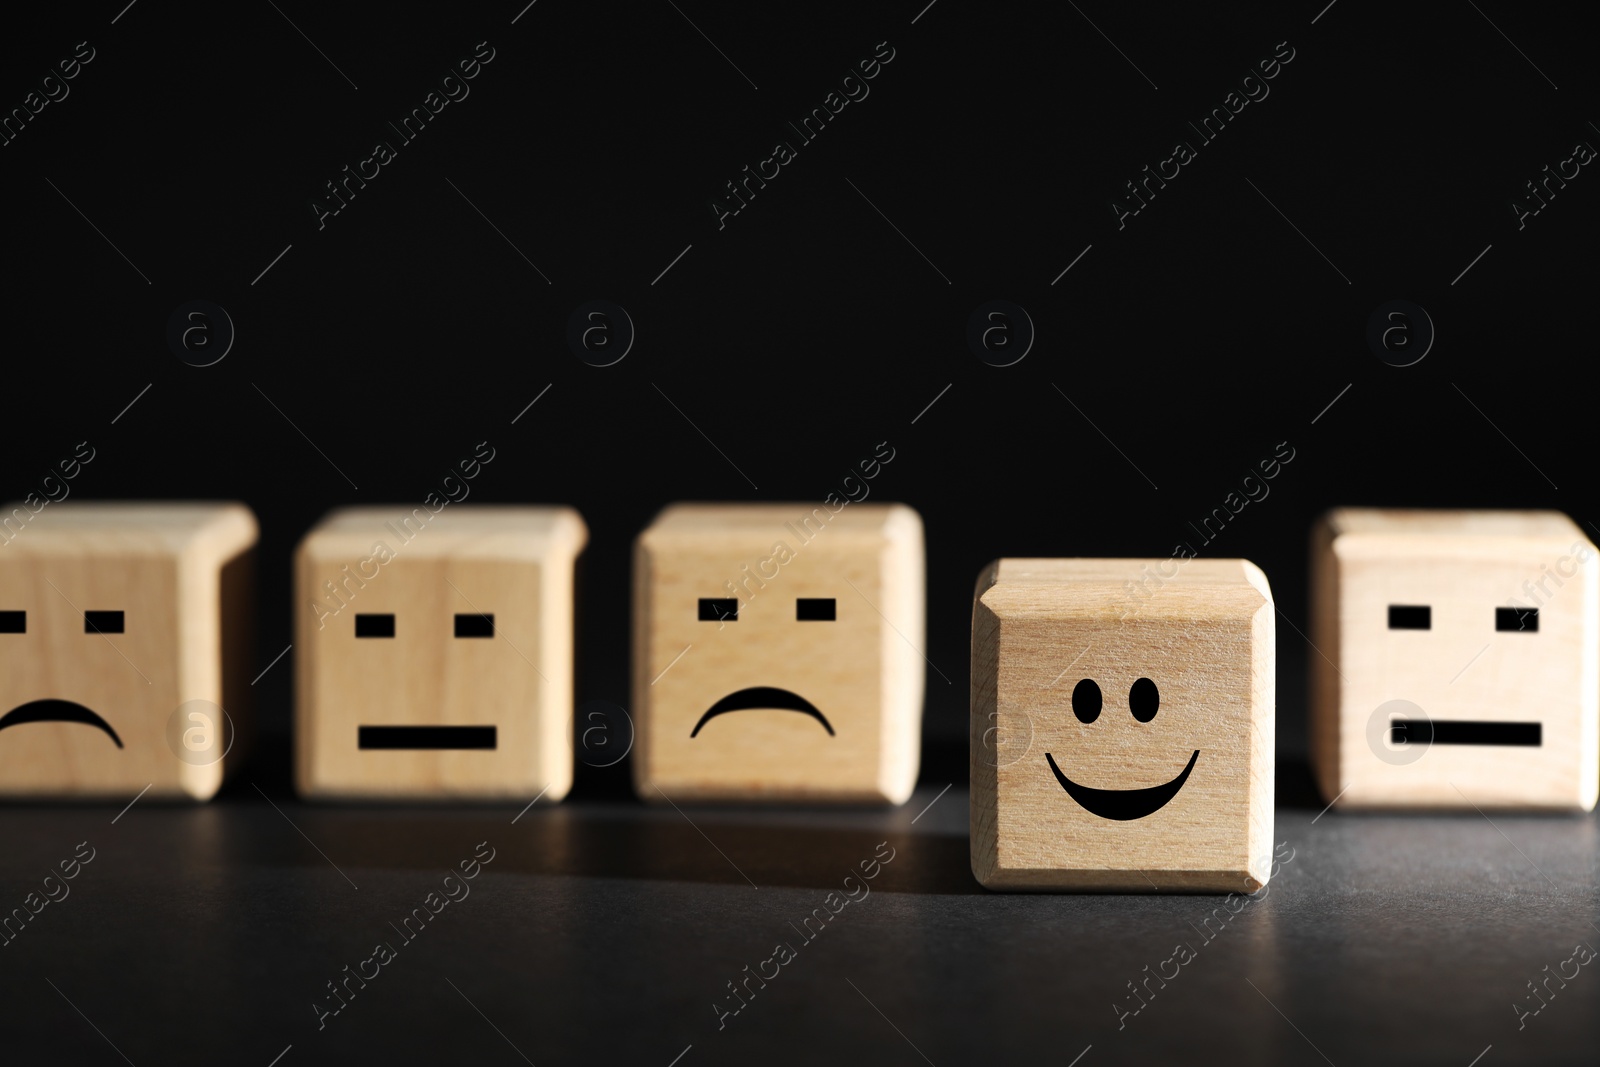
<point x="606" y="931"/>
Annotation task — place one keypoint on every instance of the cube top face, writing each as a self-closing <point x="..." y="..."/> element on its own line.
<point x="1122" y="734"/>
<point x="777" y="653"/>
<point x="110" y="621"/>
<point x="1466" y="648"/>
<point x="1120" y="588"/>
<point x="434" y="655"/>
<point x="494" y="532"/>
<point x="1462" y="525"/>
<point x="201" y="531"/>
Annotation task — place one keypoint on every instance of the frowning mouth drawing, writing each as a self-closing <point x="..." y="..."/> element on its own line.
<point x="57" y="711"/>
<point x="763" y="697"/>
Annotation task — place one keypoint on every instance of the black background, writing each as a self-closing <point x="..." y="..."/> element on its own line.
<point x="824" y="317"/>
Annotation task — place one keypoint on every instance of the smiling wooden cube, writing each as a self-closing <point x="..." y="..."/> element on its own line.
<point x="1458" y="660"/>
<point x="777" y="653"/>
<point x="1122" y="725"/>
<point x="434" y="653"/>
<point x="124" y="648"/>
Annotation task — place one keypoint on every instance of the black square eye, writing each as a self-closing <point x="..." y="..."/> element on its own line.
<point x="1410" y="617"/>
<point x="102" y="622"/>
<point x="713" y="609"/>
<point x="374" y="625"/>
<point x="13" y="622"/>
<point x="1524" y="620"/>
<point x="474" y="625"/>
<point x="815" y="609"/>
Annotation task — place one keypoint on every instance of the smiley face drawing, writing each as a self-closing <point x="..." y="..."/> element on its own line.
<point x="776" y="653"/>
<point x="1122" y="725"/>
<point x="1123" y="805"/>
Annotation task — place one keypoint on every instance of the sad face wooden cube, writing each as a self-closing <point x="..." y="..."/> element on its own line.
<point x="1122" y="725"/>
<point x="124" y="648"/>
<point x="1457" y="664"/>
<point x="777" y="653"/>
<point x="434" y="653"/>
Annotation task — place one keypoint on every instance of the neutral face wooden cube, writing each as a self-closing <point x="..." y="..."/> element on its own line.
<point x="124" y="649"/>
<point x="1122" y="725"/>
<point x="434" y="653"/>
<point x="777" y="653"/>
<point x="1456" y="660"/>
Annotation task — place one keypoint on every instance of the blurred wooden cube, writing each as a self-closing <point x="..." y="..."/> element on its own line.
<point x="1455" y="661"/>
<point x="125" y="648"/>
<point x="433" y="653"/>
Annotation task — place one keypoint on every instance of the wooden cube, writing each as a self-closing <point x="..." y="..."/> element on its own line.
<point x="1455" y="661"/>
<point x="433" y="653"/>
<point x="125" y="648"/>
<point x="778" y="653"/>
<point x="1122" y="725"/>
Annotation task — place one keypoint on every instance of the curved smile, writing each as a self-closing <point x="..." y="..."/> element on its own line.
<point x="762" y="696"/>
<point x="1123" y="804"/>
<point x="57" y="711"/>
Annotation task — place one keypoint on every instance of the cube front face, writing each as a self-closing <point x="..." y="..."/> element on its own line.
<point x="1119" y="750"/>
<point x="808" y="692"/>
<point x="1495" y="707"/>
<point x="437" y="675"/>
<point x="94" y="712"/>
<point x="122" y="686"/>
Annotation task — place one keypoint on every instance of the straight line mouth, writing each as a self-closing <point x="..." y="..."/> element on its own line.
<point x="427" y="737"/>
<point x="1465" y="732"/>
